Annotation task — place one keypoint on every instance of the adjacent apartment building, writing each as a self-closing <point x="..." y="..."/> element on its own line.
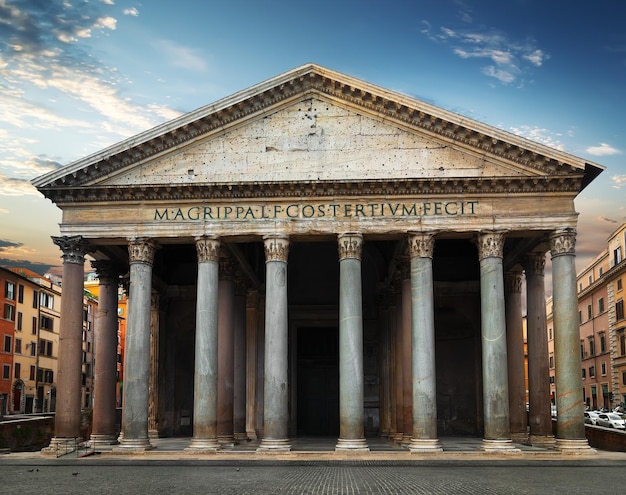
<point x="602" y="327"/>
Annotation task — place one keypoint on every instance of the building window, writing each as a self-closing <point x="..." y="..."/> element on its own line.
<point x="617" y="255"/>
<point x="622" y="343"/>
<point x="589" y="312"/>
<point x="18" y="346"/>
<point x="549" y="333"/>
<point x="602" y="342"/>
<point x="580" y="317"/>
<point x="45" y="348"/>
<point x="551" y="379"/>
<point x="584" y="373"/>
<point x="551" y="361"/>
<point x="7" y="343"/>
<point x="20" y="294"/>
<point x="592" y="371"/>
<point x="619" y="284"/>
<point x="592" y="346"/>
<point x="33" y="348"/>
<point x="603" y="368"/>
<point x="600" y="271"/>
<point x="18" y="370"/>
<point x="32" y="372"/>
<point x="601" y="305"/>
<point x="619" y="309"/>
<point x="590" y="280"/>
<point x="580" y="287"/>
<point x="582" y="349"/>
<point x="623" y="377"/>
<point x="9" y="312"/>
<point x="19" y="321"/>
<point x="47" y="323"/>
<point x="9" y="290"/>
<point x="34" y="326"/>
<point x="47" y="300"/>
<point x="6" y="372"/>
<point x="35" y="299"/>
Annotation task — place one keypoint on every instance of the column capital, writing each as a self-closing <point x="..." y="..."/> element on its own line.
<point x="276" y="248"/>
<point x="74" y="248"/>
<point x="108" y="271"/>
<point x="421" y="244"/>
<point x="563" y="241"/>
<point x="208" y="248"/>
<point x="534" y="263"/>
<point x="350" y="245"/>
<point x="513" y="281"/>
<point x="490" y="244"/>
<point x="141" y="250"/>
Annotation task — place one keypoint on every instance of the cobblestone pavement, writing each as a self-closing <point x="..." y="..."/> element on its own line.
<point x="191" y="477"/>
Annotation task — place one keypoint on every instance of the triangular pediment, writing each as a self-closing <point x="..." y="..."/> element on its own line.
<point x="312" y="124"/>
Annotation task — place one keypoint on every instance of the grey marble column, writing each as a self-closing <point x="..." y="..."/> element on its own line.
<point x="539" y="415"/>
<point x="205" y="371"/>
<point x="226" y="353"/>
<point x="239" y="392"/>
<point x="134" y="435"/>
<point x="407" y="353"/>
<point x="384" y="369"/>
<point x="276" y="386"/>
<point x="493" y="332"/>
<point x="424" y="437"/>
<point x="351" y="381"/>
<point x="570" y="428"/>
<point x="515" y="355"/>
<point x="103" y="424"/>
<point x="68" y="378"/>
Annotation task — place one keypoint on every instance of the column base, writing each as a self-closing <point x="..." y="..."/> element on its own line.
<point x="352" y="445"/>
<point x="241" y="437"/>
<point x="61" y="445"/>
<point x="203" y="445"/>
<point x="419" y="445"/>
<point x="397" y="437"/>
<point x="520" y="438"/>
<point x="500" y="445"/>
<point x="274" y="446"/>
<point x="406" y="440"/>
<point x="133" y="445"/>
<point x="545" y="441"/>
<point x="226" y="441"/>
<point x="96" y="440"/>
<point x="580" y="447"/>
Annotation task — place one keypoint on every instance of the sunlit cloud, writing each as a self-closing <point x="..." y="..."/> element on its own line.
<point x="510" y="60"/>
<point x="182" y="56"/>
<point x="539" y="135"/>
<point x="603" y="150"/>
<point x="10" y="186"/>
<point x="619" y="181"/>
<point x="132" y="11"/>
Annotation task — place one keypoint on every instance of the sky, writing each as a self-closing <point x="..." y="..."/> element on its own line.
<point x="77" y="76"/>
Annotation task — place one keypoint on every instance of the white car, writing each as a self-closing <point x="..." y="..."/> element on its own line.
<point x="611" y="420"/>
<point x="591" y="417"/>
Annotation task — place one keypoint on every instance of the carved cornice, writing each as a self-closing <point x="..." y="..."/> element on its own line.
<point x="141" y="250"/>
<point x="291" y="189"/>
<point x="208" y="249"/>
<point x="490" y="245"/>
<point x="350" y="246"/>
<point x="374" y="101"/>
<point x="421" y="245"/>
<point x="563" y="242"/>
<point x="276" y="248"/>
<point x="74" y="248"/>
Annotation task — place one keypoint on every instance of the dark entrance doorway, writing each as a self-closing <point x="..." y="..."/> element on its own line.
<point x="318" y="381"/>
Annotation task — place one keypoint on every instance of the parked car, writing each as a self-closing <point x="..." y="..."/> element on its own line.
<point x="591" y="417"/>
<point x="611" y="420"/>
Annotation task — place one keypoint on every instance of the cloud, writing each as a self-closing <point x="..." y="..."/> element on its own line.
<point x="539" y="135"/>
<point x="181" y="56"/>
<point x="5" y="244"/>
<point x="40" y="268"/>
<point x="603" y="150"/>
<point x="10" y="186"/>
<point x="619" y="181"/>
<point x="510" y="60"/>
<point x="132" y="11"/>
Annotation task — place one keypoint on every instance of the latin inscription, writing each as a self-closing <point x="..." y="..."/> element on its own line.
<point x="315" y="211"/>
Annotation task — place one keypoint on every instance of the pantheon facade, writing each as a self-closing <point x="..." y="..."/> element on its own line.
<point x="319" y="256"/>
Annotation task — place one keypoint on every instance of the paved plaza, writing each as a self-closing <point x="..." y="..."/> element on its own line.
<point x="312" y="468"/>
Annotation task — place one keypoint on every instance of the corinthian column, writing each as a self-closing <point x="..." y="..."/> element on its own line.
<point x="570" y="426"/>
<point x="137" y="358"/>
<point x="493" y="332"/>
<point x="351" y="382"/>
<point x="423" y="332"/>
<point x="205" y="371"/>
<point x="540" y="419"/>
<point x="103" y="426"/>
<point x="515" y="355"/>
<point x="275" y="394"/>
<point x="67" y="419"/>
